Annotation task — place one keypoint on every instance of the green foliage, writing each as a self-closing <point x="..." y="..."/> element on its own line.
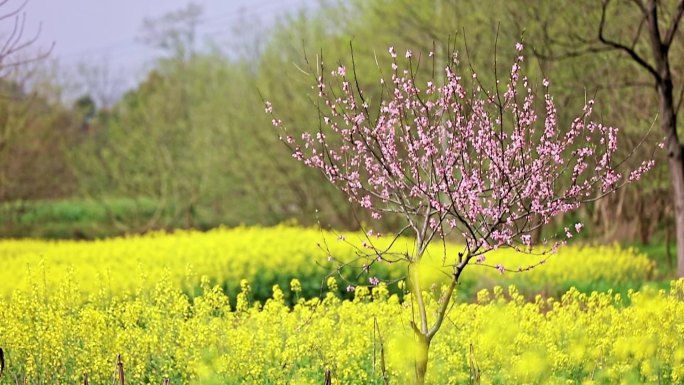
<point x="71" y="218"/>
<point x="33" y="134"/>
<point x="191" y="138"/>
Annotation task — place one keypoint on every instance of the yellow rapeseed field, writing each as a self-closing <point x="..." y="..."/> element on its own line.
<point x="267" y="256"/>
<point x="68" y="308"/>
<point x="54" y="337"/>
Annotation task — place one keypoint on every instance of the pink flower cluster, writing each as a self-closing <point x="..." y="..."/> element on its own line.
<point x="489" y="165"/>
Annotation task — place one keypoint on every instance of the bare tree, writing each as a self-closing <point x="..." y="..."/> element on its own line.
<point x="174" y="32"/>
<point x="14" y="40"/>
<point x="13" y="43"/>
<point x="100" y="82"/>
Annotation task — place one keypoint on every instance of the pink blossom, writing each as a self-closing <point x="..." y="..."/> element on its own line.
<point x="365" y="202"/>
<point x="568" y="234"/>
<point x="375" y="281"/>
<point x="526" y="239"/>
<point x="645" y="166"/>
<point x="439" y="154"/>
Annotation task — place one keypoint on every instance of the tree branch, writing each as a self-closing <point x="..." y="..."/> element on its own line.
<point x="616" y="45"/>
<point x="674" y="24"/>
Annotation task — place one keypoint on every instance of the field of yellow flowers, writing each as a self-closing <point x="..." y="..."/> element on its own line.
<point x="275" y="255"/>
<point x="160" y="300"/>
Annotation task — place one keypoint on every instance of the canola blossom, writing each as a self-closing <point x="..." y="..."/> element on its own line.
<point x="69" y="307"/>
<point x="275" y="255"/>
<point x="53" y="337"/>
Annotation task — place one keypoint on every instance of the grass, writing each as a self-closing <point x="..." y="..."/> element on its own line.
<point x="72" y="218"/>
<point x="666" y="260"/>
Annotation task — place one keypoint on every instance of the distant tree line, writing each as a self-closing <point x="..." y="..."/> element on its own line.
<point x="193" y="138"/>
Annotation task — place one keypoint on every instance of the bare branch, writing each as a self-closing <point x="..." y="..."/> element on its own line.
<point x="640" y="4"/>
<point x="674" y="24"/>
<point x="14" y="12"/>
<point x="572" y="54"/>
<point x="637" y="35"/>
<point x="617" y="45"/>
<point x="15" y="41"/>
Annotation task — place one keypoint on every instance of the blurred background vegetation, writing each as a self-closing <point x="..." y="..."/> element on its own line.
<point x="191" y="147"/>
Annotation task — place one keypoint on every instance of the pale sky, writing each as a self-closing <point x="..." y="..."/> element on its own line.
<point x="108" y="31"/>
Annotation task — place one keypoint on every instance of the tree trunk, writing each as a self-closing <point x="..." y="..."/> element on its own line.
<point x="660" y="46"/>
<point x="422" y="350"/>
<point x="668" y="125"/>
<point x="677" y="174"/>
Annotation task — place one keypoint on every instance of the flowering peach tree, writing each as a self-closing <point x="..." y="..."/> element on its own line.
<point x="450" y="156"/>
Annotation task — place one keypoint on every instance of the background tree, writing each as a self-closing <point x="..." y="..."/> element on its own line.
<point x="219" y="166"/>
<point x="14" y="43"/>
<point x="152" y="147"/>
<point x="33" y="128"/>
<point x="175" y="32"/>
